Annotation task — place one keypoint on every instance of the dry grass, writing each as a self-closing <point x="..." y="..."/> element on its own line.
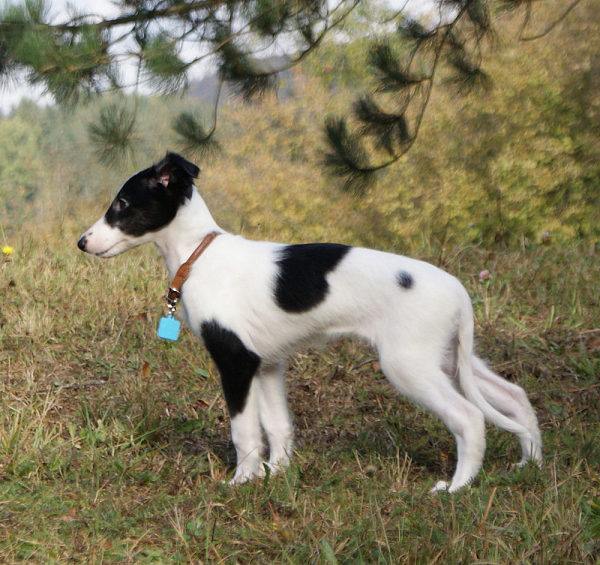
<point x="114" y="444"/>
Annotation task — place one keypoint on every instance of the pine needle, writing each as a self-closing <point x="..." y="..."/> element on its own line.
<point x="193" y="137"/>
<point x="347" y="158"/>
<point x="114" y="135"/>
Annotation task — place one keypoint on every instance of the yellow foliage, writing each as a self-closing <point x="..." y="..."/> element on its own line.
<point x="511" y="164"/>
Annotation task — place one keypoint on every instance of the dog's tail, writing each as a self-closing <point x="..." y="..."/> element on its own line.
<point x="466" y="376"/>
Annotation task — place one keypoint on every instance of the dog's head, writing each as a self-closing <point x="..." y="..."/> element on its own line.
<point x="146" y="203"/>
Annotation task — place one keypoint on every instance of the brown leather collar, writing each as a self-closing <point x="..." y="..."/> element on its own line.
<point x="183" y="272"/>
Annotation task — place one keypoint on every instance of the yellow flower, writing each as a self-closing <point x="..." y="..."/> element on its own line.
<point x="7" y="250"/>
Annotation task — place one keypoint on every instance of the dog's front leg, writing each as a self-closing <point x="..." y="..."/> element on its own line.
<point x="238" y="366"/>
<point x="274" y="415"/>
<point x="246" y="437"/>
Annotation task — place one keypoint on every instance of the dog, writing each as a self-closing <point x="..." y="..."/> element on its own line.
<point x="253" y="303"/>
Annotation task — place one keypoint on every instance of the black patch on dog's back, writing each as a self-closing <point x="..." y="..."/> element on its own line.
<point x="236" y="363"/>
<point x="301" y="283"/>
<point x="404" y="279"/>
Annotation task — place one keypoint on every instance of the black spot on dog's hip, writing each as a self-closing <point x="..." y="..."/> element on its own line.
<point x="404" y="279"/>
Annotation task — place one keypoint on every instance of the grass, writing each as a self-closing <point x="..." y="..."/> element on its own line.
<point x="114" y="445"/>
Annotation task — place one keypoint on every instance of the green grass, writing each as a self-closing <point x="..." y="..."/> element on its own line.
<point x="114" y="445"/>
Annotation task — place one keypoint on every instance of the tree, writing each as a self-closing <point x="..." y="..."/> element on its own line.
<point x="76" y="59"/>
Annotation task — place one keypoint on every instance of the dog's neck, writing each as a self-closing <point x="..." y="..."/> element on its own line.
<point x="179" y="239"/>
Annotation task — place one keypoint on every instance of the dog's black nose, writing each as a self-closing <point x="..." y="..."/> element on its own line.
<point x="81" y="243"/>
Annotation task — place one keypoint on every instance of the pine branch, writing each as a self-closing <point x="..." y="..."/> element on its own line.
<point x="76" y="59"/>
<point x="197" y="20"/>
<point x="69" y="68"/>
<point x="550" y="27"/>
<point x="394" y="79"/>
<point x="390" y="130"/>
<point x="140" y="15"/>
<point x="114" y="135"/>
<point x="306" y="29"/>
<point x="270" y="17"/>
<point x="468" y="76"/>
<point x="390" y="74"/>
<point x="8" y="65"/>
<point x="247" y="79"/>
<point x="164" y="69"/>
<point x="511" y="5"/>
<point x="193" y="136"/>
<point x="348" y="158"/>
<point x="264" y="77"/>
<point x="479" y="15"/>
<point x="412" y="31"/>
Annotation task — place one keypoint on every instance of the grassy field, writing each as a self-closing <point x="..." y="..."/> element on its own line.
<point x="114" y="445"/>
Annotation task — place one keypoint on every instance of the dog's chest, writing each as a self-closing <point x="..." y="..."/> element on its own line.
<point x="230" y="284"/>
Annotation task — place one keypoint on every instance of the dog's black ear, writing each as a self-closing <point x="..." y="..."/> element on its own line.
<point x="176" y="169"/>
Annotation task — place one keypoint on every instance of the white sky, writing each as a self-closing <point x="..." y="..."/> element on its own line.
<point x="12" y="93"/>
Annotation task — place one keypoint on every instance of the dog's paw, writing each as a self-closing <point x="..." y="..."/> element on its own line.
<point x="244" y="474"/>
<point x="526" y="462"/>
<point x="278" y="466"/>
<point x="535" y="459"/>
<point x="440" y="486"/>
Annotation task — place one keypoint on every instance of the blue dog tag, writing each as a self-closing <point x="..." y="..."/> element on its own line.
<point x="168" y="328"/>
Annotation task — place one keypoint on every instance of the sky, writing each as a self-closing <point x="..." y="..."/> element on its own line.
<point x="12" y="93"/>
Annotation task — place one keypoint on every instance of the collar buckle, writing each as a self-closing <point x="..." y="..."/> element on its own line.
<point x="172" y="299"/>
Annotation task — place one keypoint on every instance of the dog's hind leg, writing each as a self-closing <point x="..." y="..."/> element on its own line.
<point x="274" y="414"/>
<point x="511" y="400"/>
<point x="420" y="380"/>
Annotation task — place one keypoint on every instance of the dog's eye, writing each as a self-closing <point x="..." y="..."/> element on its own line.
<point x="121" y="204"/>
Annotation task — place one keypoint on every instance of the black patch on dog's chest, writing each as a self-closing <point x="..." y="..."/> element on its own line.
<point x="404" y="279"/>
<point x="301" y="282"/>
<point x="237" y="364"/>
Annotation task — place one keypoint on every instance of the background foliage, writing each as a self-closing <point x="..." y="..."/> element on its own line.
<point x="519" y="161"/>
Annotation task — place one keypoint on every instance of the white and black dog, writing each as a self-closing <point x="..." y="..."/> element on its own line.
<point x="253" y="303"/>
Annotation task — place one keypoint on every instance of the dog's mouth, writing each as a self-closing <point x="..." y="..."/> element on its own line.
<point x="107" y="252"/>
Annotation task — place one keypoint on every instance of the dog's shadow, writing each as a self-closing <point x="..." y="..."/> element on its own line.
<point x="342" y="410"/>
